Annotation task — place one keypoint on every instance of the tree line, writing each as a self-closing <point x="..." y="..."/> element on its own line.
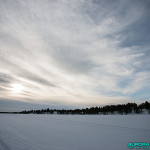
<point x="108" y="109"/>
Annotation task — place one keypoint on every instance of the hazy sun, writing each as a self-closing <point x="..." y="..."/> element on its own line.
<point x="17" y="88"/>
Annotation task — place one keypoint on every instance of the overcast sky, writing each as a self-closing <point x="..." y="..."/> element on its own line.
<point x="73" y="53"/>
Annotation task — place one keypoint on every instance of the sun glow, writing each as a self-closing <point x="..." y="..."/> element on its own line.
<point x="17" y="88"/>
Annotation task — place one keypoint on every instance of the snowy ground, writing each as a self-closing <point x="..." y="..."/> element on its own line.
<point x="72" y="132"/>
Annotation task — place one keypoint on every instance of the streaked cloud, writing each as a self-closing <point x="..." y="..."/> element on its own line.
<point x="74" y="52"/>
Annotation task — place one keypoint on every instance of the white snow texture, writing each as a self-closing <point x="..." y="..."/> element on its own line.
<point x="72" y="132"/>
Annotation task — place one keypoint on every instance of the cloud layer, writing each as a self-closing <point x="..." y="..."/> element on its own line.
<point x="75" y="52"/>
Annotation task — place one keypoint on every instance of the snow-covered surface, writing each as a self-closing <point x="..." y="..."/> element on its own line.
<point x="72" y="132"/>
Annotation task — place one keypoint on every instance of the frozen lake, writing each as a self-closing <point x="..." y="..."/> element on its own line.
<point x="72" y="132"/>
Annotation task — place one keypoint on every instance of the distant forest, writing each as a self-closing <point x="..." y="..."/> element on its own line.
<point x="109" y="109"/>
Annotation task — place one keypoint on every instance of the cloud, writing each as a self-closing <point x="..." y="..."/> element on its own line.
<point x="8" y="105"/>
<point x="71" y="51"/>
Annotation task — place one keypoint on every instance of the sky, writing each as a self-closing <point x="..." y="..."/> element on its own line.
<point x="73" y="53"/>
